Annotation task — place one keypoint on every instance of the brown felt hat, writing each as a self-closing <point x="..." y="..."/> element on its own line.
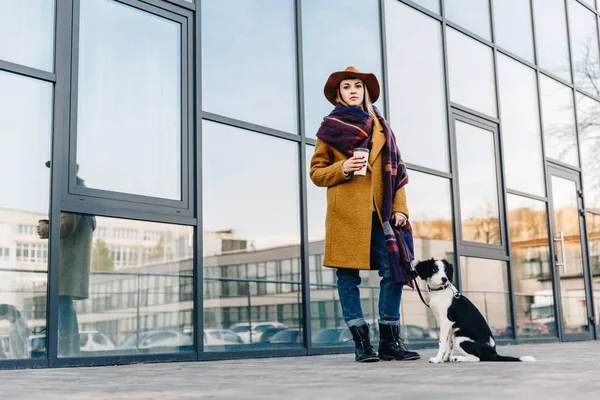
<point x="334" y="80"/>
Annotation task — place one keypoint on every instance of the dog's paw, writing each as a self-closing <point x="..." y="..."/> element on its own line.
<point x="454" y="359"/>
<point x="435" y="360"/>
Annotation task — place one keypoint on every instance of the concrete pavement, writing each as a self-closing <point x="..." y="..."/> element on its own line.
<point x="562" y="371"/>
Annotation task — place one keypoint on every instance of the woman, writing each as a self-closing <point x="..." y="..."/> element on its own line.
<point x="361" y="210"/>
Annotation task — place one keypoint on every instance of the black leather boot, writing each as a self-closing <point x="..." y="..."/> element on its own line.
<point x="392" y="346"/>
<point x="363" y="350"/>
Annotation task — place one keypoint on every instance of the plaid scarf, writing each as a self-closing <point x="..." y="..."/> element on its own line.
<point x="347" y="128"/>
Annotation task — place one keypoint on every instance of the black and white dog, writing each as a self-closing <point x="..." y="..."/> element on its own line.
<point x="464" y="334"/>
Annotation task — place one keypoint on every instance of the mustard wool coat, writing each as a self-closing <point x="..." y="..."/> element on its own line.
<point x="350" y="202"/>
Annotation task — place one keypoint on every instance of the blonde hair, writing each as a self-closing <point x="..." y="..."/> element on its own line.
<point x="367" y="105"/>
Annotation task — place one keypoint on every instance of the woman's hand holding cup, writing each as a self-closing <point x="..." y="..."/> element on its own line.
<point x="354" y="163"/>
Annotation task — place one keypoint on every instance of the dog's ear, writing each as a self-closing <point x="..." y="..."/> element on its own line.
<point x="424" y="269"/>
<point x="449" y="270"/>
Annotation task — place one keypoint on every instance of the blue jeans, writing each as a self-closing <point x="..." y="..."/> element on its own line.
<point x="68" y="328"/>
<point x="390" y="293"/>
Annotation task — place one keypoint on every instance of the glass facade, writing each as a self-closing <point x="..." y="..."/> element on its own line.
<point x="127" y="234"/>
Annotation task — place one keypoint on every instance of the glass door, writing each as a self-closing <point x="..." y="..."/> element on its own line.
<point x="570" y="257"/>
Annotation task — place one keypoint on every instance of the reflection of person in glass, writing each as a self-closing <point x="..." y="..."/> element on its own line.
<point x="367" y="216"/>
<point x="76" y="231"/>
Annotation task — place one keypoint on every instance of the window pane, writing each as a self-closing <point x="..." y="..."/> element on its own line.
<point x="558" y="120"/>
<point x="431" y="219"/>
<point x="265" y="226"/>
<point x="588" y="112"/>
<point x="129" y="109"/>
<point x="433" y="5"/>
<point x="27" y="33"/>
<point x="477" y="184"/>
<point x="471" y="73"/>
<point x="551" y="37"/>
<point x="417" y="92"/>
<point x="584" y="47"/>
<point x="520" y="127"/>
<point x="513" y="27"/>
<point x="90" y="272"/>
<point x="473" y="15"/>
<point x="593" y="225"/>
<point x="325" y="51"/>
<point x="531" y="267"/>
<point x="248" y="61"/>
<point x="25" y="132"/>
<point x="485" y="283"/>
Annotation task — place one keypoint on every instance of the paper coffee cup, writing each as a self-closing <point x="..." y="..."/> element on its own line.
<point x="361" y="151"/>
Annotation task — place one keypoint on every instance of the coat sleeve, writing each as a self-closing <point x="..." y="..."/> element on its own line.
<point x="68" y="223"/>
<point x="399" y="204"/>
<point x="323" y="171"/>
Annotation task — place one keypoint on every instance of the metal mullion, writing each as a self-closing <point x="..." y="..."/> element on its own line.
<point x="587" y="6"/>
<point x="198" y="265"/>
<point x="172" y="5"/>
<point x="469" y="111"/>
<point x="550" y="75"/>
<point x="452" y="151"/>
<point x="428" y="171"/>
<point x="27" y="71"/>
<point x="59" y="140"/>
<point x="246" y="354"/>
<point x="527" y="195"/>
<point x="303" y="192"/>
<point x="594" y="212"/>
<point x="470" y="34"/>
<point x="236" y="123"/>
<point x="515" y="57"/>
<point x="384" y="68"/>
<point x="123" y="359"/>
<point x="569" y="41"/>
<point x="563" y="164"/>
<point x="501" y="179"/>
<point x="112" y="208"/>
<point x="422" y="9"/>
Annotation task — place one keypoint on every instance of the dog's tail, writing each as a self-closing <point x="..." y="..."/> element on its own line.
<point x="498" y="357"/>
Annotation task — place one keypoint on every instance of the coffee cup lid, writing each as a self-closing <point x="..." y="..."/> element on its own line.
<point x="361" y="149"/>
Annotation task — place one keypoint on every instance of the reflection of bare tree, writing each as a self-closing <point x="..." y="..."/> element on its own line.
<point x="484" y="227"/>
<point x="526" y="224"/>
<point x="586" y="70"/>
<point x="433" y="229"/>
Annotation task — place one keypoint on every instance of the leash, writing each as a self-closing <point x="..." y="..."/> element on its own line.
<point x="419" y="291"/>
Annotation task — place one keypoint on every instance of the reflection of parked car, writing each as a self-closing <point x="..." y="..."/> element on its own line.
<point x="329" y="336"/>
<point x="251" y="332"/>
<point x="214" y="337"/>
<point x="525" y="328"/>
<point x="269" y="333"/>
<point x="290" y="335"/>
<point x="95" y="341"/>
<point x="38" y="345"/>
<point x="414" y="332"/>
<point x="153" y="339"/>
<point x="4" y="347"/>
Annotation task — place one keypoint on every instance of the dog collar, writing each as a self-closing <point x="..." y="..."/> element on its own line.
<point x="438" y="289"/>
<point x="455" y="291"/>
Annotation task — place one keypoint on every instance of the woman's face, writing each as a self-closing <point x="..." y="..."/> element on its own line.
<point x="352" y="92"/>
